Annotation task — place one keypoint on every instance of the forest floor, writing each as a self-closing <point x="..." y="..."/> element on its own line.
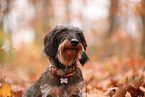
<point x="111" y="77"/>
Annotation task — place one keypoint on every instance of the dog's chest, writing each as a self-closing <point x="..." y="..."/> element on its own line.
<point x="63" y="90"/>
<point x="61" y="87"/>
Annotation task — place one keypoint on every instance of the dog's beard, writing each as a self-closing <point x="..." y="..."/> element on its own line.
<point x="68" y="54"/>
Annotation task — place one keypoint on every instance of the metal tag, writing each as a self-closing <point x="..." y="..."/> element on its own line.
<point x="63" y="80"/>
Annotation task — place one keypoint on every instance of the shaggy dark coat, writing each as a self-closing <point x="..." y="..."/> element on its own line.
<point x="64" y="46"/>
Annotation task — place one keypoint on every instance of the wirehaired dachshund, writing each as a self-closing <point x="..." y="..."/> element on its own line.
<point x="64" y="46"/>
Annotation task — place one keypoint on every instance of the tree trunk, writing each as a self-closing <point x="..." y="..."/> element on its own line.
<point x="67" y="11"/>
<point x="143" y="23"/>
<point x="112" y="24"/>
<point x="113" y="8"/>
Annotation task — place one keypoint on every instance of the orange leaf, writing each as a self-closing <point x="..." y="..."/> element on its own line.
<point x="5" y="90"/>
<point x="17" y="93"/>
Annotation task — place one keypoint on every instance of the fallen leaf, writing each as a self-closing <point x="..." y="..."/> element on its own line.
<point x="122" y="90"/>
<point x="17" y="93"/>
<point x="132" y="87"/>
<point x="142" y="89"/>
<point x="6" y="89"/>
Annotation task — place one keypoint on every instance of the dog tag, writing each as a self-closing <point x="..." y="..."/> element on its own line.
<point x="63" y="80"/>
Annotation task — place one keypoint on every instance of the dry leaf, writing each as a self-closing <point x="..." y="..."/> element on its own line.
<point x="132" y="87"/>
<point x="6" y="89"/>
<point x="142" y="89"/>
<point x="17" y="93"/>
<point x="122" y="90"/>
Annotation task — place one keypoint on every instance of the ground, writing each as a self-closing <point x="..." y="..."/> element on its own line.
<point x="109" y="77"/>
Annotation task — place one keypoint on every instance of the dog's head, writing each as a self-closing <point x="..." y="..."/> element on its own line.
<point x="67" y="43"/>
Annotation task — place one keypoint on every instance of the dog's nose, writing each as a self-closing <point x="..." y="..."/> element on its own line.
<point x="74" y="42"/>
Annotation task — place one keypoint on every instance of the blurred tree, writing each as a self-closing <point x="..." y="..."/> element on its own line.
<point x="42" y="19"/>
<point x="2" y="53"/>
<point x="112" y="22"/>
<point x="4" y="15"/>
<point x="143" y="22"/>
<point x="112" y="26"/>
<point x="67" y="11"/>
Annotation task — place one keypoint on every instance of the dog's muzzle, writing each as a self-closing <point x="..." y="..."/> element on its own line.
<point x="69" y="51"/>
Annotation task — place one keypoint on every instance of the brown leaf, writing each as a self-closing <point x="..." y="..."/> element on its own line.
<point x="122" y="90"/>
<point x="17" y="93"/>
<point x="132" y="87"/>
<point x="134" y="91"/>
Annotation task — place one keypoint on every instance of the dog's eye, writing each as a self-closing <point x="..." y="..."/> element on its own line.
<point x="63" y="32"/>
<point x="78" y="34"/>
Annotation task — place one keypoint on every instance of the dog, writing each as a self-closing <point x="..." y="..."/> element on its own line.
<point x="65" y="45"/>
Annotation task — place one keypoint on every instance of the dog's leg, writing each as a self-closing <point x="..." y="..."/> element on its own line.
<point x="78" y="93"/>
<point x="32" y="92"/>
<point x="79" y="90"/>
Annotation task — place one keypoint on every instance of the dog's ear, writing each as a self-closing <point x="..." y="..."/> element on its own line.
<point x="45" y="40"/>
<point x="83" y="40"/>
<point x="49" y="48"/>
<point x="84" y="58"/>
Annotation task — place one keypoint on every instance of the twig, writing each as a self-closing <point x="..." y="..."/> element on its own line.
<point x="88" y="83"/>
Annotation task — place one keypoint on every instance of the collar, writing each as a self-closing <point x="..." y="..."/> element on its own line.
<point x="58" y="72"/>
<point x="58" y="64"/>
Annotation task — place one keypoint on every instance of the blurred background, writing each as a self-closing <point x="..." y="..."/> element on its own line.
<point x="114" y="29"/>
